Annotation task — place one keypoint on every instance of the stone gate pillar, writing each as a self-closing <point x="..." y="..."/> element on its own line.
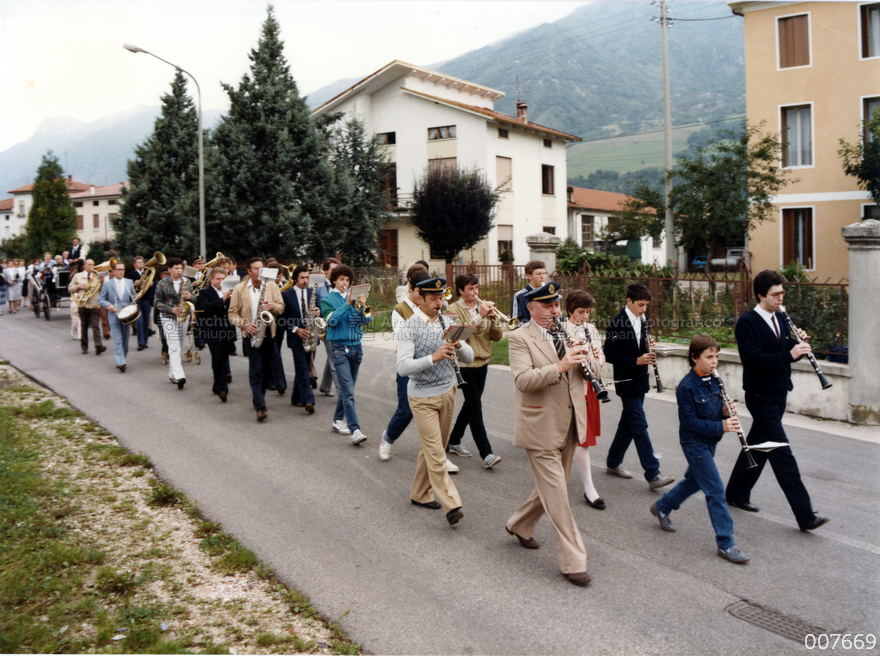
<point x="542" y="246"/>
<point x="863" y="240"/>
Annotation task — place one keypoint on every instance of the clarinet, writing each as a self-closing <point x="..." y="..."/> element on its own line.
<point x="651" y="350"/>
<point x="606" y="399"/>
<point x="459" y="380"/>
<point x="739" y="433"/>
<point x="601" y="393"/>
<point x="824" y="381"/>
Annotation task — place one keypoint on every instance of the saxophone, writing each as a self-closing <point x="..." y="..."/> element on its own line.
<point x="186" y="307"/>
<point x="315" y="325"/>
<point x="264" y="318"/>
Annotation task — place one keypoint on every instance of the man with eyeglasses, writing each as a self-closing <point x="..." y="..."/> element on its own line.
<point x="766" y="350"/>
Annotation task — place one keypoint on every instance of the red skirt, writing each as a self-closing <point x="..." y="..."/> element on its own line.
<point x="594" y="424"/>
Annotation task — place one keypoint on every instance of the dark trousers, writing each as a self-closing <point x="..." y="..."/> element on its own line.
<point x="767" y="411"/>
<point x="633" y="427"/>
<point x="279" y="378"/>
<point x="471" y="413"/>
<point x="142" y="325"/>
<point x="302" y="390"/>
<point x="260" y="368"/>
<point x="90" y="318"/>
<point x="220" y="365"/>
<point x="403" y="415"/>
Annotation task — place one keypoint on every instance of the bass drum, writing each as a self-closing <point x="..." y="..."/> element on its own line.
<point x="129" y="314"/>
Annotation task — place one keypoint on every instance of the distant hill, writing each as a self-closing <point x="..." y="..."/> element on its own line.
<point x="95" y="152"/>
<point x="598" y="71"/>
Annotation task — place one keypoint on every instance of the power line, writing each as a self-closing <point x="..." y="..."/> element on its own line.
<point x="679" y="127"/>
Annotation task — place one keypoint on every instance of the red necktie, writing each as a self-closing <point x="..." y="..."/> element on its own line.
<point x="775" y="327"/>
<point x="302" y="299"/>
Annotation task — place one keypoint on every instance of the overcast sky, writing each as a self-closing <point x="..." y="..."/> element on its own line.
<point x="65" y="57"/>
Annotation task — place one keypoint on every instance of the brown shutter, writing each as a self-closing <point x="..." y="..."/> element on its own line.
<point x="787" y="236"/>
<point x="794" y="41"/>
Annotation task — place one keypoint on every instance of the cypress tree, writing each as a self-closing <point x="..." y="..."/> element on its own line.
<point x="271" y="181"/>
<point x="160" y="209"/>
<point x="51" y="223"/>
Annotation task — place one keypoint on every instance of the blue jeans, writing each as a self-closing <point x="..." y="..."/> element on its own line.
<point x="347" y="360"/>
<point x="702" y="474"/>
<point x="633" y="427"/>
<point x="403" y="415"/>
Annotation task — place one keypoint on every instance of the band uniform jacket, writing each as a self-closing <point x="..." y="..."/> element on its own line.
<point x="216" y="328"/>
<point x="73" y="288"/>
<point x="292" y="317"/>
<point x="109" y="294"/>
<point x="544" y="399"/>
<point x="240" y="304"/>
<point x="622" y="351"/>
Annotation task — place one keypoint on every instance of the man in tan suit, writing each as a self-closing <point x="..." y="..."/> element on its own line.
<point x="244" y="312"/>
<point x="551" y="412"/>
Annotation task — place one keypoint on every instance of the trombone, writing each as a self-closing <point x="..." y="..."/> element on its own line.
<point x="511" y="323"/>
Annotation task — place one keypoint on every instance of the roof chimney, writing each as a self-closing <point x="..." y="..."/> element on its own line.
<point x="570" y="190"/>
<point x="93" y="190"/>
<point x="70" y="178"/>
<point x="521" y="108"/>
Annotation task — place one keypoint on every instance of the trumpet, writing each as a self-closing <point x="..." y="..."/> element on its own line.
<point x="362" y="307"/>
<point x="511" y="323"/>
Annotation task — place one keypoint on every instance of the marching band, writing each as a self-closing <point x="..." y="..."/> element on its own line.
<point x="557" y="366"/>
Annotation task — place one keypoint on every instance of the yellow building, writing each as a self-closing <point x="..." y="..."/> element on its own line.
<point x="812" y="74"/>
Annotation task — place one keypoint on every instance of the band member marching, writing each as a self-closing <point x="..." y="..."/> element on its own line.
<point x="427" y="359"/>
<point x="117" y="293"/>
<point x="89" y="310"/>
<point x="550" y="417"/>
<point x="173" y="301"/>
<point x="578" y="305"/>
<point x="213" y="303"/>
<point x="297" y="301"/>
<point x="253" y="307"/>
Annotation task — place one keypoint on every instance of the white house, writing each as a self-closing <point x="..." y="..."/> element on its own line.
<point x="22" y="199"/>
<point x="95" y="208"/>
<point x="7" y="212"/>
<point x="425" y="118"/>
<point x="590" y="210"/>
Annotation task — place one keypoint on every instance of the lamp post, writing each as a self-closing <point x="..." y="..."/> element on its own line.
<point x="203" y="251"/>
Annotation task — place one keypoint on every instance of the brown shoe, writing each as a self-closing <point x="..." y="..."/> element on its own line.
<point x="100" y="349"/>
<point x="121" y="368"/>
<point x="531" y="543"/>
<point x="310" y="408"/>
<point x="223" y="396"/>
<point x="85" y="351"/>
<point x="261" y="414"/>
<point x="579" y="578"/>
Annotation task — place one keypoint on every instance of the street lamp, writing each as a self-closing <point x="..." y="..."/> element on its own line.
<point x="203" y="251"/>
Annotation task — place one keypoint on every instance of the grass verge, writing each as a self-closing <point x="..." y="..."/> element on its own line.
<point x="100" y="556"/>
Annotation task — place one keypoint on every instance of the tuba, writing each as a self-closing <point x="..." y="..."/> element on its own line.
<point x="202" y="282"/>
<point x="290" y="282"/>
<point x="150" y="272"/>
<point x="95" y="283"/>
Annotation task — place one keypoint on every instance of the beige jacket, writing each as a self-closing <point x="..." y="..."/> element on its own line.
<point x="481" y="340"/>
<point x="545" y="401"/>
<point x="240" y="303"/>
<point x="74" y="288"/>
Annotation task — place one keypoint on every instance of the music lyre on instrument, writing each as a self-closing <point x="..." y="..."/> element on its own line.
<point x="794" y="331"/>
<point x="601" y="393"/>
<point x="660" y="387"/>
<point x="731" y="413"/>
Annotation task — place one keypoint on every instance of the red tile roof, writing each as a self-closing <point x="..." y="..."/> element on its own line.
<point x="497" y="116"/>
<point x="100" y="192"/>
<point x="6" y="205"/>
<point x="72" y="185"/>
<point x="595" y="199"/>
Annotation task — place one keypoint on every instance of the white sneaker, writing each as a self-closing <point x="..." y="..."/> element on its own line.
<point x="450" y="467"/>
<point x="384" y="447"/>
<point x="357" y="437"/>
<point x="341" y="427"/>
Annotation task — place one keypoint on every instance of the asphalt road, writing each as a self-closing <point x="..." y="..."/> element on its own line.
<point x="336" y="522"/>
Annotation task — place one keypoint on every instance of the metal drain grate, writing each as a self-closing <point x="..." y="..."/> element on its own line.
<point x="787" y="627"/>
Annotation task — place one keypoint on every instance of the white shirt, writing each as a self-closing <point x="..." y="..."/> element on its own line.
<point x="120" y="287"/>
<point x="255" y="299"/>
<point x="636" y="324"/>
<point x="769" y="318"/>
<point x="303" y="301"/>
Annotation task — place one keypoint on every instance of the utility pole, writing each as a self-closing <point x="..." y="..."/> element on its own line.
<point x="671" y="250"/>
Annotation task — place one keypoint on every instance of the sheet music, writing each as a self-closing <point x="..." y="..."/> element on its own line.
<point x="455" y="333"/>
<point x="190" y="272"/>
<point x="767" y="446"/>
<point x="316" y="279"/>
<point x="268" y="274"/>
<point x="229" y="283"/>
<point x="359" y="290"/>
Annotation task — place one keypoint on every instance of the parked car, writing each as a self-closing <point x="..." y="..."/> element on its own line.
<point x="734" y="257"/>
<point x="699" y="262"/>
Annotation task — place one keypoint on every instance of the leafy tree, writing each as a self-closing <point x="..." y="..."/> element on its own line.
<point x="160" y="208"/>
<point x="51" y="223"/>
<point x="718" y="196"/>
<point x="359" y="169"/>
<point x="271" y="181"/>
<point x="13" y="246"/>
<point x="862" y="160"/>
<point x="452" y="209"/>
